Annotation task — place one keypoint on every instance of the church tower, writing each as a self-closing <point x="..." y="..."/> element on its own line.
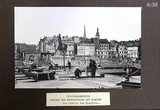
<point x="84" y="35"/>
<point x="97" y="33"/>
<point x="96" y="41"/>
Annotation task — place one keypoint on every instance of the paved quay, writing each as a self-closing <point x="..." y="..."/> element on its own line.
<point x="65" y="79"/>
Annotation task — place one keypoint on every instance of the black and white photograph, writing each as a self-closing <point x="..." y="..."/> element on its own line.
<point x="77" y="47"/>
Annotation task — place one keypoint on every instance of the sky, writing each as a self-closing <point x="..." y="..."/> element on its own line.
<point x="114" y="23"/>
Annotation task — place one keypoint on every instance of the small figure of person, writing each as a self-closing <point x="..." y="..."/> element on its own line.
<point x="56" y="65"/>
<point x="89" y="68"/>
<point x="69" y="65"/>
<point x="77" y="72"/>
<point x="127" y="74"/>
<point x="93" y="68"/>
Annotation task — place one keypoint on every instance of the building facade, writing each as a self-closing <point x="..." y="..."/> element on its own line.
<point x="31" y="48"/>
<point x="85" y="49"/>
<point x="70" y="47"/>
<point x="122" y="51"/>
<point x="48" y="44"/>
<point x="113" y="50"/>
<point x="103" y="51"/>
<point x="132" y="52"/>
<point x="21" y="49"/>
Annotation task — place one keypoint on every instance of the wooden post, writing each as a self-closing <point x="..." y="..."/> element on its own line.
<point x="22" y="54"/>
<point x="64" y="60"/>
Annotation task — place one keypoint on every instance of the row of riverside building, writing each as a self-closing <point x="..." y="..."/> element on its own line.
<point x="82" y="47"/>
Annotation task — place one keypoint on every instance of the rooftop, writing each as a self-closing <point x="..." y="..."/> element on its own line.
<point x="86" y="41"/>
<point x="103" y="41"/>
